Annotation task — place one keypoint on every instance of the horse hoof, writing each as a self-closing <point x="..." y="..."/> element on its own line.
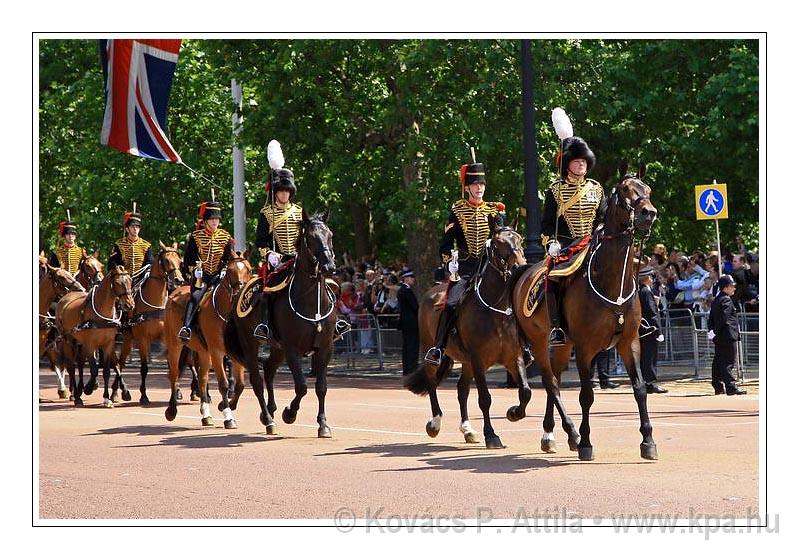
<point x="549" y="446"/>
<point x="648" y="451"/>
<point x="126" y="395"/>
<point x="324" y="432"/>
<point x="88" y="390"/>
<point x="207" y="421"/>
<point x="272" y="429"/>
<point x="230" y="424"/>
<point x="493" y="442"/>
<point x="432" y="431"/>
<point x="471" y="437"/>
<point x="114" y="398"/>
<point x="513" y="414"/>
<point x="289" y="416"/>
<point x="108" y="403"/>
<point x="179" y="395"/>
<point x="171" y="413"/>
<point x="586" y="453"/>
<point x="193" y="397"/>
<point x="63" y="394"/>
<point x="574" y="442"/>
<point x="78" y="402"/>
<point x="143" y="400"/>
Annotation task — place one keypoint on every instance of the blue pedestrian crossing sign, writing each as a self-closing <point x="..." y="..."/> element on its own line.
<point x="711" y="201"/>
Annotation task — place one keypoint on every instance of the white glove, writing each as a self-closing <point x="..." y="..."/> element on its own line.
<point x="452" y="266"/>
<point x="554" y="249"/>
<point x="222" y="273"/>
<point x="660" y="338"/>
<point x="711" y="335"/>
<point x="274" y="259"/>
<point x="198" y="273"/>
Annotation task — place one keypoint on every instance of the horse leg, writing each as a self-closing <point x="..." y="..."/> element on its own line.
<point x="257" y="383"/>
<point x="629" y="351"/>
<point x="174" y="352"/>
<point x="559" y="364"/>
<point x="485" y="402"/>
<point x="270" y="366"/>
<point x="319" y="365"/>
<point x="300" y="388"/>
<point x="434" y="425"/>
<point x="202" y="388"/>
<point x="464" y="382"/>
<point x="222" y="384"/>
<point x="107" y="357"/>
<point x="517" y="369"/>
<point x="586" y="398"/>
<point x="144" y="355"/>
<point x="228" y="364"/>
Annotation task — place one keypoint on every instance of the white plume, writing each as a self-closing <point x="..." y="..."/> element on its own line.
<point x="561" y="123"/>
<point x="275" y="154"/>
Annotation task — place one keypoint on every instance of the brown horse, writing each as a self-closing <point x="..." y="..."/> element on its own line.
<point x="486" y="334"/>
<point x="146" y="321"/>
<point x="304" y="323"/>
<point x="88" y="322"/>
<point x="54" y="283"/>
<point x="600" y="309"/>
<point x="208" y="344"/>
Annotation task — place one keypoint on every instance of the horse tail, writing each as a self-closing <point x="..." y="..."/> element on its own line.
<point x="233" y="347"/>
<point x="417" y="381"/>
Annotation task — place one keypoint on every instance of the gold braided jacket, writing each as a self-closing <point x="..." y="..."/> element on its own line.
<point x="288" y="228"/>
<point x="210" y="247"/>
<point x="69" y="257"/>
<point x="133" y="253"/>
<point x="474" y="222"/>
<point x="580" y="216"/>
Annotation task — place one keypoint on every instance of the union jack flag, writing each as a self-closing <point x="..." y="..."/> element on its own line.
<point x="138" y="78"/>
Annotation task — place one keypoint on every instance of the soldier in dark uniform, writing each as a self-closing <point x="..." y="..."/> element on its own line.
<point x="723" y="327"/>
<point x="574" y="206"/>
<point x="207" y="253"/>
<point x="408" y="325"/>
<point x="649" y="331"/>
<point x="131" y="251"/>
<point x="68" y="254"/>
<point x="468" y="229"/>
<point x="277" y="232"/>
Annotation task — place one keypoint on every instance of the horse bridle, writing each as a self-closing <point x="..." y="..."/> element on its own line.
<point x="505" y="272"/>
<point x="233" y="292"/>
<point x="95" y="278"/>
<point x="166" y="276"/>
<point x="56" y="280"/>
<point x="314" y="258"/>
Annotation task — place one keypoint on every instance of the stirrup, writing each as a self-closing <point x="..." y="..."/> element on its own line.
<point x="185" y="333"/>
<point x="557" y="337"/>
<point x="434" y="356"/>
<point x="262" y="331"/>
<point x="342" y="327"/>
<point x="527" y="356"/>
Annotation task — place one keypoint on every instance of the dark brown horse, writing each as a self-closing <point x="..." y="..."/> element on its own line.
<point x="208" y="346"/>
<point x="304" y="323"/>
<point x="88" y="322"/>
<point x="601" y="310"/>
<point x="54" y="283"/>
<point x="147" y="318"/>
<point x="486" y="334"/>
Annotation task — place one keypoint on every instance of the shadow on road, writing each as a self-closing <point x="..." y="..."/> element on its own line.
<point x="186" y="438"/>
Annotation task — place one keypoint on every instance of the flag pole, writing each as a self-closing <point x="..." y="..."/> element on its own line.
<point x="719" y="246"/>
<point x="239" y="215"/>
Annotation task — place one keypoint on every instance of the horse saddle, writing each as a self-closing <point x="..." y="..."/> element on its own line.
<point x="567" y="263"/>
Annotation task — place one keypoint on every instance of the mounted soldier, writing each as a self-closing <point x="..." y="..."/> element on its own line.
<point x="207" y="253"/>
<point x="68" y="254"/>
<point x="279" y="224"/>
<point x="131" y="251"/>
<point x="574" y="206"/>
<point x="463" y="246"/>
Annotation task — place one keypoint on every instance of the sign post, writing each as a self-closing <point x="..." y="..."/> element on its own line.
<point x="711" y="203"/>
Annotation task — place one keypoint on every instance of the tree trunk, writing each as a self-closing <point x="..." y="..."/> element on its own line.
<point x="422" y="236"/>
<point x="362" y="228"/>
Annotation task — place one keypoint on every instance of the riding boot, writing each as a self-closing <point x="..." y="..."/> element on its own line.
<point x="262" y="330"/>
<point x="557" y="336"/>
<point x="186" y="331"/>
<point x="434" y="354"/>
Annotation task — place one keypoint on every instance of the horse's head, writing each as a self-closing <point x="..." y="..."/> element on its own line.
<point x="238" y="272"/>
<point x="505" y="250"/>
<point x="63" y="281"/>
<point x="121" y="286"/>
<point x="629" y="206"/>
<point x="169" y="262"/>
<point x="90" y="270"/>
<point x="315" y="244"/>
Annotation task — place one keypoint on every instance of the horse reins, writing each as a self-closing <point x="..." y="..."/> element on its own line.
<point x="318" y="317"/>
<point x="505" y="273"/>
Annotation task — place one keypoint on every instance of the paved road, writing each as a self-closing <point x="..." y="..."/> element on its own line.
<point x="129" y="462"/>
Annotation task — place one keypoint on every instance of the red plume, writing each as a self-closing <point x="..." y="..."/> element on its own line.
<point x="267" y="186"/>
<point x="500" y="207"/>
<point x="559" y="153"/>
<point x="61" y="228"/>
<point x="202" y="211"/>
<point x="125" y="217"/>
<point x="463" y="173"/>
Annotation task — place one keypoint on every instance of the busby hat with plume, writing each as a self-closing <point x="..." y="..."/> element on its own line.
<point x="67" y="226"/>
<point x="131" y="218"/>
<point x="572" y="147"/>
<point x="472" y="173"/>
<point x="280" y="177"/>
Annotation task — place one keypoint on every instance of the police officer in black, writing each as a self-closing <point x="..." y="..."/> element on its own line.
<point x="408" y="325"/>
<point x="723" y="329"/>
<point x="649" y="331"/>
<point x="464" y="243"/>
<point x="207" y="253"/>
